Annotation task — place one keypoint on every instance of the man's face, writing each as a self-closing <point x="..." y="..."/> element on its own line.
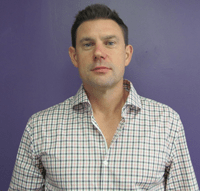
<point x="100" y="54"/>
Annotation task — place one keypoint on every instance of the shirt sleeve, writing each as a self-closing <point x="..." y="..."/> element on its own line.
<point x="26" y="174"/>
<point x="181" y="174"/>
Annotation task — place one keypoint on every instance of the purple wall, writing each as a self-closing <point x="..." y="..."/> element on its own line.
<point x="36" y="72"/>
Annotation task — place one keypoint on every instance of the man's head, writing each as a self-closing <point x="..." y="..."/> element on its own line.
<point x="101" y="53"/>
<point x="97" y="11"/>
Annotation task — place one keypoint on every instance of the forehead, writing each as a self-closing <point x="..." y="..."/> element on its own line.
<point x="99" y="27"/>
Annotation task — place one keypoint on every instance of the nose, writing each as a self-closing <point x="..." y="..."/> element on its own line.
<point x="100" y="53"/>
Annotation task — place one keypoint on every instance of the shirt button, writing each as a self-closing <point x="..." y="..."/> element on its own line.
<point x="105" y="163"/>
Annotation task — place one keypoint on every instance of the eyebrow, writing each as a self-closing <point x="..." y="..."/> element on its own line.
<point x="107" y="37"/>
<point x="86" y="39"/>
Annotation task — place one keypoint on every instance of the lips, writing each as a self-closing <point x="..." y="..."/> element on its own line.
<point x="101" y="69"/>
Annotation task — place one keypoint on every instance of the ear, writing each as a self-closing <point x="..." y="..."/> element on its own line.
<point x="129" y="53"/>
<point x="73" y="56"/>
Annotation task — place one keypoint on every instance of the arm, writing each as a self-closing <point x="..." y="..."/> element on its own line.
<point x="181" y="174"/>
<point x="26" y="174"/>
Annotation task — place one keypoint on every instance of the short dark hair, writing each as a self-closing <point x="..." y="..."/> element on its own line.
<point x="97" y="11"/>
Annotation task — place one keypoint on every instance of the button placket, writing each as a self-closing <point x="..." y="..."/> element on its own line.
<point x="105" y="163"/>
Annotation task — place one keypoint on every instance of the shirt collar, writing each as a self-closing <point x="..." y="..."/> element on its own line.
<point x="133" y="101"/>
<point x="80" y="99"/>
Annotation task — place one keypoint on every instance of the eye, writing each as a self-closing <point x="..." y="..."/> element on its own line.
<point x="88" y="45"/>
<point x="110" y="43"/>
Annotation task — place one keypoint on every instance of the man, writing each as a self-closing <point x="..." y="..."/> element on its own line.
<point x="106" y="137"/>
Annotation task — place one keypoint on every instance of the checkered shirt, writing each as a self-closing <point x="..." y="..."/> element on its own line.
<point x="63" y="148"/>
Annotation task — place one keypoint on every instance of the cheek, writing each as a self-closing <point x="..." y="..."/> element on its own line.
<point x="121" y="54"/>
<point x="120" y="59"/>
<point x="84" y="58"/>
<point x="83" y="65"/>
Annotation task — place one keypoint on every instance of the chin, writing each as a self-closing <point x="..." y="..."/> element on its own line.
<point x="103" y="84"/>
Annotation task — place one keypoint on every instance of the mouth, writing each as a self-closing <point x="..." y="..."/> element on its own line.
<point x="101" y="69"/>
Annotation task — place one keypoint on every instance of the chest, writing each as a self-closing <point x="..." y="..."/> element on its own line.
<point x="78" y="155"/>
<point x="75" y="157"/>
<point x="108" y="127"/>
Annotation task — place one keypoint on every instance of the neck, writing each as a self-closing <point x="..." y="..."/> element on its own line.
<point x="107" y="101"/>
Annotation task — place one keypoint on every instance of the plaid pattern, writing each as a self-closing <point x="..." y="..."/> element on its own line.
<point x="65" y="144"/>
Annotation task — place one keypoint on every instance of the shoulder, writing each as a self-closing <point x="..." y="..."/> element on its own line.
<point x="157" y="109"/>
<point x="58" y="111"/>
<point x="161" y="117"/>
<point x="149" y="104"/>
